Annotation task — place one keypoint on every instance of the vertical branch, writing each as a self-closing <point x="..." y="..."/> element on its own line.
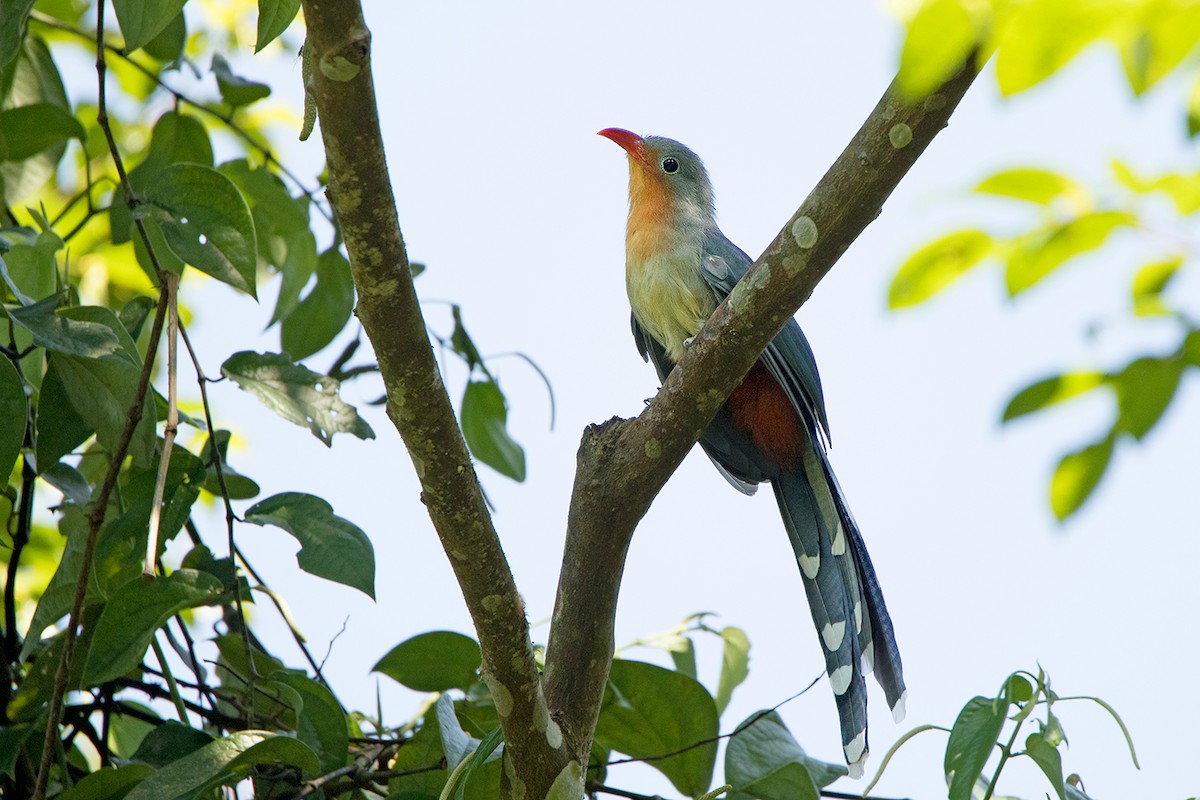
<point x="170" y="286"/>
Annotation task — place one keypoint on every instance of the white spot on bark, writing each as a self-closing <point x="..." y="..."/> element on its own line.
<point x="553" y="735"/>
<point x="501" y="696"/>
<point x="900" y="135"/>
<point x="338" y="68"/>
<point x="804" y="231"/>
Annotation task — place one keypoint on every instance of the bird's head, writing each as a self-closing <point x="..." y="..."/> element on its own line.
<point x="666" y="179"/>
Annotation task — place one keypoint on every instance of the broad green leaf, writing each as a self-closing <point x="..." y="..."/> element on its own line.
<point x="274" y="17"/>
<point x="1047" y="757"/>
<point x="1039" y="37"/>
<point x="322" y="721"/>
<point x="324" y="312"/>
<point x="70" y="482"/>
<point x="1150" y="282"/>
<point x="765" y="762"/>
<point x="735" y="665"/>
<point x="102" y="390"/>
<point x="1051" y="391"/>
<point x="169" y="742"/>
<point x="237" y="485"/>
<point x="1077" y="475"/>
<point x="936" y="265"/>
<point x="206" y="222"/>
<point x="1034" y="185"/>
<point x="223" y="761"/>
<point x="168" y="44"/>
<point x="1191" y="348"/>
<point x="132" y="616"/>
<point x="484" y="425"/>
<point x="60" y="428"/>
<point x="1182" y="187"/>
<point x="420" y="758"/>
<point x="433" y="662"/>
<point x="330" y="547"/>
<point x="462" y="343"/>
<point x="651" y="711"/>
<point x="296" y="393"/>
<point x="481" y="755"/>
<point x="972" y="738"/>
<point x="13" y="417"/>
<point x="12" y="739"/>
<point x="14" y="14"/>
<point x="236" y="91"/>
<point x="107" y="783"/>
<point x="682" y="651"/>
<point x="295" y="268"/>
<point x="32" y="78"/>
<point x="1158" y="41"/>
<point x="59" y="332"/>
<point x="142" y="20"/>
<point x="127" y="733"/>
<point x="1144" y="390"/>
<point x="1040" y="253"/>
<point x="939" y="38"/>
<point x="28" y="130"/>
<point x="32" y="269"/>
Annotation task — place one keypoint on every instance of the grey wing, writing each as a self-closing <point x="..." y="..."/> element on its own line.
<point x="788" y="357"/>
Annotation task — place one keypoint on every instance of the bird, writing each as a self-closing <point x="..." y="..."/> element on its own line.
<point x="773" y="428"/>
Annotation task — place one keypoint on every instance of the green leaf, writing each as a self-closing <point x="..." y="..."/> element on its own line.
<point x="433" y="662"/>
<point x="1150" y="282"/>
<point x="479" y="756"/>
<point x="28" y="130"/>
<point x="169" y="742"/>
<point x="1048" y="758"/>
<point x="142" y="20"/>
<point x="1040" y="186"/>
<point x="236" y="91"/>
<point x="1157" y="42"/>
<point x="1193" y="111"/>
<point x="322" y="722"/>
<point x="295" y="268"/>
<point x="238" y="486"/>
<point x="60" y="428"/>
<point x="33" y="78"/>
<point x="12" y="739"/>
<point x="939" y="39"/>
<point x="683" y="654"/>
<point x="168" y="44"/>
<point x="224" y="761"/>
<point x="1077" y="475"/>
<point x="330" y="547"/>
<point x="206" y="222"/>
<point x="14" y="14"/>
<point x="484" y="421"/>
<point x="1144" y="390"/>
<point x="422" y="751"/>
<point x="102" y="390"/>
<point x="651" y="711"/>
<point x="13" y="417"/>
<point x="296" y="393"/>
<point x="764" y="761"/>
<point x="1040" y="253"/>
<point x="1051" y="391"/>
<point x="274" y="17"/>
<point x="323" y="313"/>
<point x="735" y="665"/>
<point x="132" y="616"/>
<point x="107" y="783"/>
<point x="936" y="265"/>
<point x="972" y="738"/>
<point x="62" y="334"/>
<point x="1039" y="37"/>
<point x="69" y="481"/>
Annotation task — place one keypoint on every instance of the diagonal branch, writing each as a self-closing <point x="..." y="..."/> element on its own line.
<point x="645" y="451"/>
<point x="361" y="194"/>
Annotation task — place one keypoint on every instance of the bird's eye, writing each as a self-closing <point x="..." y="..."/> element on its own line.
<point x="670" y="165"/>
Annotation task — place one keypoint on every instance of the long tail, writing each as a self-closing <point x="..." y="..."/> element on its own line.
<point x="844" y="596"/>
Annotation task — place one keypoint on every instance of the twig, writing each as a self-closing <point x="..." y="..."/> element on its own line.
<point x="100" y="507"/>
<point x="172" y="686"/>
<point x="170" y="286"/>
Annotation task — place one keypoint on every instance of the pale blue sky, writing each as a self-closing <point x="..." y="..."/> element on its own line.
<point x="489" y="114"/>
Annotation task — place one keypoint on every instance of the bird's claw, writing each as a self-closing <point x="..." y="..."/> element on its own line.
<point x="688" y="342"/>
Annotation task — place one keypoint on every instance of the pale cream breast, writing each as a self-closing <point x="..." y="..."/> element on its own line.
<point x="670" y="299"/>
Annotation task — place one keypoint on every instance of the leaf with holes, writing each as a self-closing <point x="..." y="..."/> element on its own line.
<point x="651" y="711"/>
<point x="206" y="222"/>
<point x="330" y="547"/>
<point x="296" y="393"/>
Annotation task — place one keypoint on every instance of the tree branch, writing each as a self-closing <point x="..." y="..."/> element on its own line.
<point x="361" y="194"/>
<point x="623" y="464"/>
